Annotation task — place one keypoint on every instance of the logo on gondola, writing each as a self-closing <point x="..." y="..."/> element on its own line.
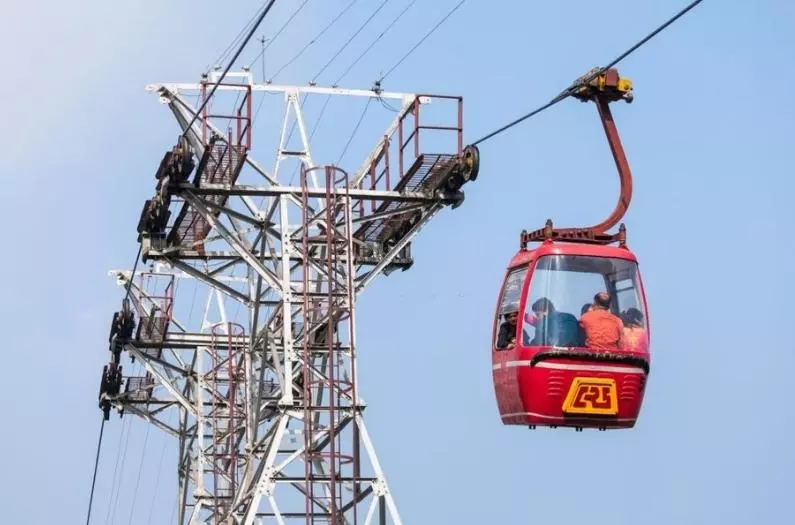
<point x="591" y="395"/>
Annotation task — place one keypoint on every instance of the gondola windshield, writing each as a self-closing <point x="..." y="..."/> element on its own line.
<point x="564" y="289"/>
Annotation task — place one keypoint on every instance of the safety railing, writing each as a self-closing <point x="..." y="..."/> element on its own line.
<point x="415" y="145"/>
<point x="241" y="115"/>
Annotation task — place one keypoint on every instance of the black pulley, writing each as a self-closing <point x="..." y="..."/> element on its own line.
<point x="471" y="163"/>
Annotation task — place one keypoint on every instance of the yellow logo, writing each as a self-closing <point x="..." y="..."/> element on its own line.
<point x="592" y="395"/>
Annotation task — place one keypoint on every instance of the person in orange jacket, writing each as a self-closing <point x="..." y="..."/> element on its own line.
<point x="635" y="337"/>
<point x="603" y="329"/>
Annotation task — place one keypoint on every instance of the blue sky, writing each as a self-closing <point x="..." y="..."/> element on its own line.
<point x="709" y="138"/>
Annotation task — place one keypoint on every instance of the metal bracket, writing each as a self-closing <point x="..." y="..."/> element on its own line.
<point x="603" y="89"/>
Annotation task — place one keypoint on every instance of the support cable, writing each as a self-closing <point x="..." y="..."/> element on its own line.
<point x="387" y="106"/>
<point x="263" y="40"/>
<point x="347" y="70"/>
<point x="237" y="38"/>
<point x="429" y="33"/>
<point x="159" y="471"/>
<point x="313" y="40"/>
<point x="354" y="35"/>
<point x="279" y="32"/>
<point x="102" y="426"/>
<point x="118" y="486"/>
<point x="316" y="125"/>
<point x="588" y="78"/>
<point x="125" y="427"/>
<point x="374" y="42"/>
<point x="138" y="478"/>
<point x="355" y="129"/>
<point x="229" y="66"/>
<point x="96" y="464"/>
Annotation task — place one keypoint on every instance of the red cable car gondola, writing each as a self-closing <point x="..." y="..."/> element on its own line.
<point x="571" y="339"/>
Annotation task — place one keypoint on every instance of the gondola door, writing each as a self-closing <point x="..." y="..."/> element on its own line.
<point x="505" y="345"/>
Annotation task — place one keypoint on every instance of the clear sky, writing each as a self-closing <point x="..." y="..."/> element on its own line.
<point x="710" y="140"/>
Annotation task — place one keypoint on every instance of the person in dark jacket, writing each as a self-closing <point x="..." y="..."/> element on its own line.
<point x="555" y="328"/>
<point x="506" y="338"/>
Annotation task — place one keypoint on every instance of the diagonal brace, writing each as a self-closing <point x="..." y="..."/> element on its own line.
<point x="233" y="241"/>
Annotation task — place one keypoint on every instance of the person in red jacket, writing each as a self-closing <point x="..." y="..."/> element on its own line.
<point x="603" y="330"/>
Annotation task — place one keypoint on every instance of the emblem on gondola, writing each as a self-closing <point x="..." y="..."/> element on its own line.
<point x="591" y="395"/>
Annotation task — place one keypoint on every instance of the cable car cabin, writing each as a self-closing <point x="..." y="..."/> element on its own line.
<point x="571" y="338"/>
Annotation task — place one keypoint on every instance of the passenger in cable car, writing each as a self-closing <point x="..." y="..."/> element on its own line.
<point x="635" y="337"/>
<point x="509" y="312"/>
<point x="603" y="329"/>
<point x="554" y="328"/>
<point x="506" y="338"/>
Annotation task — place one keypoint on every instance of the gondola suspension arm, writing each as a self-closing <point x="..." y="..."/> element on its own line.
<point x="605" y="88"/>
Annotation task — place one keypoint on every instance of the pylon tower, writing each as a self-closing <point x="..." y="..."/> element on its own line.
<point x="267" y="410"/>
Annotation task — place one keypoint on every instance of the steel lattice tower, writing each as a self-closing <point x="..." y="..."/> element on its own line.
<point x="268" y="412"/>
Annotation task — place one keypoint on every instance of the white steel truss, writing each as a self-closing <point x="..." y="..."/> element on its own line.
<point x="270" y="423"/>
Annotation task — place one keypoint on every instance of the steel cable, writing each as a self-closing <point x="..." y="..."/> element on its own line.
<point x="353" y="133"/>
<point x="121" y="470"/>
<point x="374" y="42"/>
<point x="429" y="33"/>
<point x="306" y="46"/>
<point x="279" y="32"/>
<point x="313" y="40"/>
<point x="96" y="464"/>
<point x="239" y="35"/>
<point x="102" y="426"/>
<point x="229" y="66"/>
<point x="573" y="88"/>
<point x="113" y="486"/>
<point x="354" y="35"/>
<point x="159" y="471"/>
<point x="138" y="478"/>
<point x="343" y="75"/>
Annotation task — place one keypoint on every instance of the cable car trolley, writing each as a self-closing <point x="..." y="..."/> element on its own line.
<point x="570" y="342"/>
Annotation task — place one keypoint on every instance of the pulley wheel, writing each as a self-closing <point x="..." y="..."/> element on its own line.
<point x="471" y="163"/>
